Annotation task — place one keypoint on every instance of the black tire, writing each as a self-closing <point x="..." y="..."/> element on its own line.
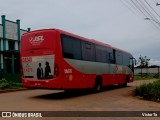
<point x="98" y="84"/>
<point x="124" y="84"/>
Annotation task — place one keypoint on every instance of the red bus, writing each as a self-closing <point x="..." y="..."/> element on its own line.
<point x="55" y="59"/>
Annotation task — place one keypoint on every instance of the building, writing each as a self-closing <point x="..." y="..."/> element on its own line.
<point x="10" y="34"/>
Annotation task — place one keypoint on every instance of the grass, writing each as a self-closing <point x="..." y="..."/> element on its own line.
<point x="4" y="84"/>
<point x="143" y="77"/>
<point x="10" y="81"/>
<point x="150" y="91"/>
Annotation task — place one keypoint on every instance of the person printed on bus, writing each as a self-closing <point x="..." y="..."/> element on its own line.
<point x="47" y="70"/>
<point x="40" y="72"/>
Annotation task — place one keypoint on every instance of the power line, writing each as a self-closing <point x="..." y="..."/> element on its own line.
<point x="154" y="19"/>
<point x="144" y="12"/>
<point x="137" y="7"/>
<point x="133" y="7"/>
<point x="142" y="9"/>
<point x="150" y="13"/>
<point x="152" y="8"/>
<point x="125" y="4"/>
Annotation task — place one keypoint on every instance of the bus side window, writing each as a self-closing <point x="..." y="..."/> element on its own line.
<point x="111" y="55"/>
<point x="67" y="55"/>
<point x="71" y="47"/>
<point x="67" y="47"/>
<point x="101" y="53"/>
<point x="88" y="51"/>
<point x="119" y="58"/>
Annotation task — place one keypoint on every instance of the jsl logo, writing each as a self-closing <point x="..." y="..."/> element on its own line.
<point x="37" y="40"/>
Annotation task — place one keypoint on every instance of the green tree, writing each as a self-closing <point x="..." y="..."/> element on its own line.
<point x="144" y="62"/>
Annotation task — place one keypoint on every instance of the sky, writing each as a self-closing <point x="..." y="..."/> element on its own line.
<point x="115" y="22"/>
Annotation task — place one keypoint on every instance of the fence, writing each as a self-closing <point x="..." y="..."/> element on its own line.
<point x="147" y="71"/>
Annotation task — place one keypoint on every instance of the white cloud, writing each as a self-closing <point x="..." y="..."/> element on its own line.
<point x="155" y="62"/>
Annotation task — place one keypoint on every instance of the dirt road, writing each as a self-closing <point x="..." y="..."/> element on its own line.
<point x="111" y="99"/>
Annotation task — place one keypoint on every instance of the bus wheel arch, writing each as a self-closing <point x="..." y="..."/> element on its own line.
<point x="125" y="83"/>
<point x="98" y="84"/>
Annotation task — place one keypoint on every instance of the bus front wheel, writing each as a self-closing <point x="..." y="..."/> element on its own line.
<point x="126" y="81"/>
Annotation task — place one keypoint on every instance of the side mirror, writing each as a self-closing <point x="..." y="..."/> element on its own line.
<point x="135" y="61"/>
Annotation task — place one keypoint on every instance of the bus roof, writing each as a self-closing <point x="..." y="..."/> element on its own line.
<point x="80" y="37"/>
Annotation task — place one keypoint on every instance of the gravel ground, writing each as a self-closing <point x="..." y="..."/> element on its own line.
<point x="111" y="99"/>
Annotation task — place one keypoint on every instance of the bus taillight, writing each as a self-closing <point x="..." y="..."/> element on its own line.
<point x="56" y="70"/>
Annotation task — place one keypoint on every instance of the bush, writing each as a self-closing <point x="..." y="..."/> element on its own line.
<point x="15" y="85"/>
<point x="4" y="84"/>
<point x="149" y="91"/>
<point x="16" y="78"/>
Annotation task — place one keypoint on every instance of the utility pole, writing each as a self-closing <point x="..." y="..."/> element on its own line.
<point x="157" y="4"/>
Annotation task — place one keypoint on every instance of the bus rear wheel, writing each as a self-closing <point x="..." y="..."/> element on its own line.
<point x="98" y="84"/>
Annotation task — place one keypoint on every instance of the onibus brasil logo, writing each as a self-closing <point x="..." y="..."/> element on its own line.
<point x="21" y="114"/>
<point x="37" y="40"/>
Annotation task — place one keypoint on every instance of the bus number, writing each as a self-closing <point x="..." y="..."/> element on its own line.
<point x="67" y="71"/>
<point x="27" y="69"/>
<point x="26" y="59"/>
